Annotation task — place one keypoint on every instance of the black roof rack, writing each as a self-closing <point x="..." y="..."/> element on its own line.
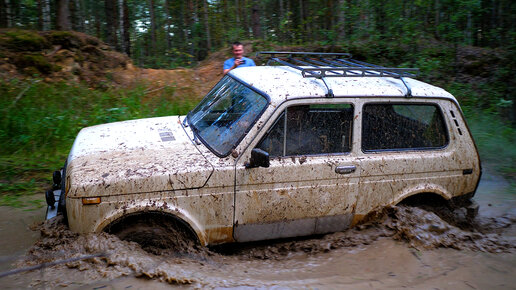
<point x="322" y="65"/>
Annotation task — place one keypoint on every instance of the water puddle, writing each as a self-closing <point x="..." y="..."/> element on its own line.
<point x="405" y="246"/>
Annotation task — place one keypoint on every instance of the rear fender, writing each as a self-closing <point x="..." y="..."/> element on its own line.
<point x="425" y="188"/>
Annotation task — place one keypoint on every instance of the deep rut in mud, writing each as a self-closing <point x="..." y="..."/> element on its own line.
<point x="227" y="265"/>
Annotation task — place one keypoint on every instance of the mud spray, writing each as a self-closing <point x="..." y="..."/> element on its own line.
<point x="230" y="265"/>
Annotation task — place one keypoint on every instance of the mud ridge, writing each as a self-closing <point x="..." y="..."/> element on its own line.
<point x="422" y="228"/>
<point x="419" y="228"/>
<point x="120" y="258"/>
<point x="426" y="229"/>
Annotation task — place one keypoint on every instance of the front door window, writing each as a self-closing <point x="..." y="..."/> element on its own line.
<point x="310" y="130"/>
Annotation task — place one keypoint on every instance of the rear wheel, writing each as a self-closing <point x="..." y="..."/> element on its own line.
<point x="459" y="211"/>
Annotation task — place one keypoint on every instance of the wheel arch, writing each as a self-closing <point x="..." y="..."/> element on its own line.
<point x="122" y="215"/>
<point x="425" y="191"/>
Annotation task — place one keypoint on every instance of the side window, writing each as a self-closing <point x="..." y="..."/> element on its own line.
<point x="273" y="142"/>
<point x="310" y="130"/>
<point x="403" y="126"/>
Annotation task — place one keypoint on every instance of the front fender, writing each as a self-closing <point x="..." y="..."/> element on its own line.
<point x="151" y="206"/>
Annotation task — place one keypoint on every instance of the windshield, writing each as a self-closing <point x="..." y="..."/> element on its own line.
<point x="226" y="114"/>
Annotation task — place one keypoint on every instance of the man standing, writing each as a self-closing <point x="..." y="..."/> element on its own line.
<point x="238" y="59"/>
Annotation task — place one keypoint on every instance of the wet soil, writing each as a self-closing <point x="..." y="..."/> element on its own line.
<point x="405" y="246"/>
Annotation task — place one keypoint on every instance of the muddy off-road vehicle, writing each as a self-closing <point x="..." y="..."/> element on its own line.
<point x="310" y="143"/>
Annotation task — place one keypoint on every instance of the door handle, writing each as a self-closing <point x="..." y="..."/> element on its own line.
<point x="345" y="169"/>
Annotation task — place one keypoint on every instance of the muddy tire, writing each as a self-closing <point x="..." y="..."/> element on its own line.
<point x="156" y="231"/>
<point x="459" y="212"/>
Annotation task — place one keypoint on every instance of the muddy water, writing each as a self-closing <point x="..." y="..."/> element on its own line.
<point x="16" y="234"/>
<point x="405" y="247"/>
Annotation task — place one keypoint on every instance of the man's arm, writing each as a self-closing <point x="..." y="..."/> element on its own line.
<point x="228" y="66"/>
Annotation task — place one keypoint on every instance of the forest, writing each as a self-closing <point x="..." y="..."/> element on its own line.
<point x="167" y="33"/>
<point x="467" y="47"/>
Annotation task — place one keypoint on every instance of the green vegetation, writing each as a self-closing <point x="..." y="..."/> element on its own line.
<point x="40" y="121"/>
<point x="36" y="64"/>
<point x="480" y="78"/>
<point x="495" y="141"/>
<point x="467" y="47"/>
<point x="25" y="40"/>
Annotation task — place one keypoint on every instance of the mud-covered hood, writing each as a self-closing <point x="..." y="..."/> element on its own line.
<point x="138" y="156"/>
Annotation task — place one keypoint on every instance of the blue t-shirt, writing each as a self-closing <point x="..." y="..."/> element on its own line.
<point x="229" y="62"/>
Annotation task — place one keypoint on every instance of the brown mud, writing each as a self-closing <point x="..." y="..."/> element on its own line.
<point x="405" y="246"/>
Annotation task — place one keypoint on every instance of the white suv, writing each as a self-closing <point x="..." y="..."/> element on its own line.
<point x="307" y="147"/>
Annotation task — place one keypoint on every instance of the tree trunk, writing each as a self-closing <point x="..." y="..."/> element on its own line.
<point x="153" y="27"/>
<point x="186" y="26"/>
<point x="96" y="15"/>
<point x="190" y="26"/>
<point x="77" y="15"/>
<point x="40" y="14"/>
<point x="110" y="10"/>
<point x="3" y="14"/>
<point x="237" y="13"/>
<point x="194" y="11"/>
<point x="184" y="40"/>
<point x="342" y="20"/>
<point x="245" y="18"/>
<point x="365" y="15"/>
<point x="288" y="27"/>
<point x="226" y="8"/>
<point x="299" y="35"/>
<point x="121" y="26"/>
<point x="169" y="24"/>
<point x="126" y="36"/>
<point x="329" y="15"/>
<point x="437" y="18"/>
<point x="255" y="18"/>
<point x="281" y="34"/>
<point x="469" y="27"/>
<point x="381" y="19"/>
<point x="45" y="15"/>
<point x="7" y="17"/>
<point x="207" y="24"/>
<point x="63" y="15"/>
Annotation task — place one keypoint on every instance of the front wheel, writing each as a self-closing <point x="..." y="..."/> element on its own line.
<point x="156" y="231"/>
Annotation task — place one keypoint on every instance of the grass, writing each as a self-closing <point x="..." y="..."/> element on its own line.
<point x="493" y="134"/>
<point x="495" y="140"/>
<point x="40" y="121"/>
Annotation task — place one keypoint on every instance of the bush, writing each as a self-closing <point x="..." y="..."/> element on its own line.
<point x="24" y="40"/>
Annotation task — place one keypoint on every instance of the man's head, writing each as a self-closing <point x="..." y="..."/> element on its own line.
<point x="238" y="50"/>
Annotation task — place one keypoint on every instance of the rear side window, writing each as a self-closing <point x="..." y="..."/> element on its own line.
<point x="403" y="126"/>
<point x="310" y="130"/>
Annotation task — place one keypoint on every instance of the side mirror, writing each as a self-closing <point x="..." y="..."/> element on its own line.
<point x="259" y="158"/>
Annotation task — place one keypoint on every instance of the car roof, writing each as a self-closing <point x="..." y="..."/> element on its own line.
<point x="283" y="83"/>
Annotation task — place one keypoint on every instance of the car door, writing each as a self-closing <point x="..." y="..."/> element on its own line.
<point x="311" y="183"/>
<point x="405" y="149"/>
